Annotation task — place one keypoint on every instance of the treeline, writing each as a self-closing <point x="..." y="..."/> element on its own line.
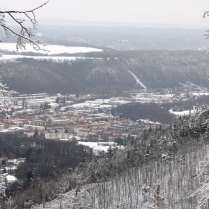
<point x="164" y="160"/>
<point x="167" y="69"/>
<point x="97" y="76"/>
<point x="45" y="159"/>
<point x="180" y="138"/>
<point x="199" y="102"/>
<point x="151" y="111"/>
<point x="158" y="112"/>
<point x="158" y="170"/>
<point x="107" y="72"/>
<point x="41" y="192"/>
<point x="163" y="184"/>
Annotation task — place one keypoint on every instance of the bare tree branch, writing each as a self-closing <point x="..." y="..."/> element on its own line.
<point x="26" y="34"/>
<point x="27" y="11"/>
<point x="206" y="13"/>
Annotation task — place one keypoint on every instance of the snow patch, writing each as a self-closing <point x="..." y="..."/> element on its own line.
<point x="98" y="146"/>
<point x="50" y="49"/>
<point x="149" y="121"/>
<point x="138" y="81"/>
<point x="182" y="113"/>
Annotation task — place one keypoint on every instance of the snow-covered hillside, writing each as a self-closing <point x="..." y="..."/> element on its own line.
<point x="165" y="183"/>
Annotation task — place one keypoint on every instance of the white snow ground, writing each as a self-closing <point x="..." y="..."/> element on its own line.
<point x="181" y="113"/>
<point x="98" y="146"/>
<point x="149" y="121"/>
<point x="138" y="81"/>
<point x="49" y="49"/>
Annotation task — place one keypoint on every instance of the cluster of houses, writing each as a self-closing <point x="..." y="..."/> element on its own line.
<point x="71" y="125"/>
<point x="60" y="117"/>
<point x="187" y="91"/>
<point x="89" y="120"/>
<point x="8" y="169"/>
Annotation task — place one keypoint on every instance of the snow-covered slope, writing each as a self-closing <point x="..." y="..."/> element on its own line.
<point x="177" y="178"/>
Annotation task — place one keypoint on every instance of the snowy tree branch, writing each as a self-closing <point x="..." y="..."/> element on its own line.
<point x="26" y="34"/>
<point x="206" y="13"/>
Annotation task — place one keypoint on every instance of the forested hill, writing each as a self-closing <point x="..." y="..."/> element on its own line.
<point x="107" y="72"/>
<point x="163" y="167"/>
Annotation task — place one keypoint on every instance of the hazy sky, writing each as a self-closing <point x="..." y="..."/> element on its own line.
<point x="169" y="12"/>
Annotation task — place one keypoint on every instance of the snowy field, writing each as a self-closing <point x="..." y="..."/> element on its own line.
<point x="49" y="49"/>
<point x="98" y="146"/>
<point x="200" y="93"/>
<point x="149" y="121"/>
<point x="182" y="113"/>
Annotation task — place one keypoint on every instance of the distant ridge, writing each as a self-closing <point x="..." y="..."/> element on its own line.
<point x="107" y="72"/>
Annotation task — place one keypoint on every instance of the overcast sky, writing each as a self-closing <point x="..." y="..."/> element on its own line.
<point x="165" y="12"/>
